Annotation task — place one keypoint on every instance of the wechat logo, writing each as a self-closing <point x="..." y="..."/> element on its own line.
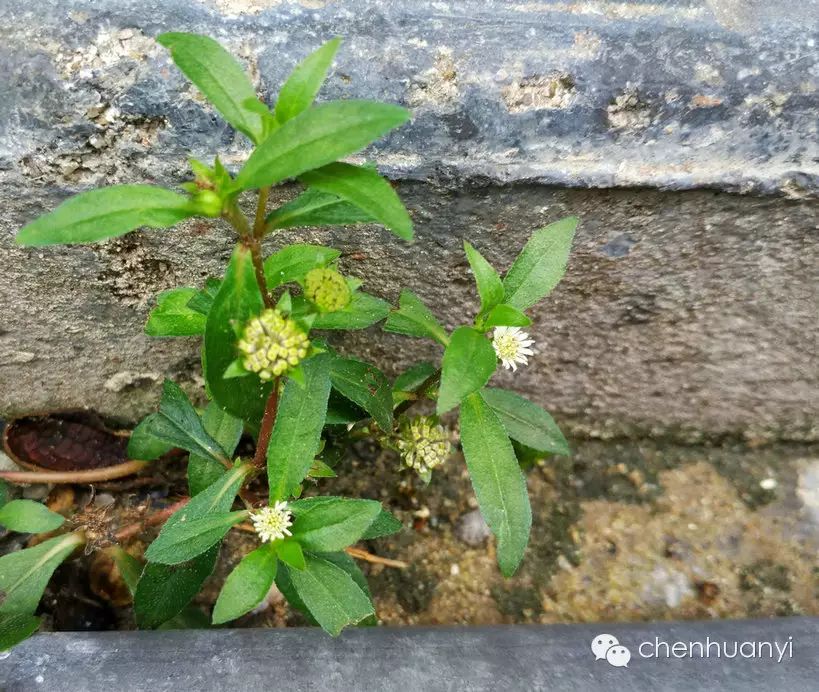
<point x="606" y="646"/>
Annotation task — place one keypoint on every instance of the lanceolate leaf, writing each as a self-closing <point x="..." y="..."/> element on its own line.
<point x="316" y="208"/>
<point x="540" y="265"/>
<point x="490" y="287"/>
<point x="497" y="479"/>
<point x="164" y="590"/>
<point x="15" y="628"/>
<point x="325" y="524"/>
<point x="247" y="585"/>
<point x="290" y="553"/>
<point x="330" y="594"/>
<point x="504" y="315"/>
<point x="384" y="524"/>
<point x="469" y="361"/>
<point x="526" y="422"/>
<point x="237" y="301"/>
<point x="297" y="431"/>
<point x="362" y="311"/>
<point x="27" y="516"/>
<point x="144" y="444"/>
<point x="413" y="318"/>
<point x="24" y="574"/>
<point x="301" y="87"/>
<point x="106" y="213"/>
<point x="185" y="540"/>
<point x="218" y="76"/>
<point x="292" y="262"/>
<point x="128" y="566"/>
<point x="367" y="190"/>
<point x="316" y="137"/>
<point x="173" y="317"/>
<point x="178" y="423"/>
<point x="366" y="386"/>
<point x="226" y="430"/>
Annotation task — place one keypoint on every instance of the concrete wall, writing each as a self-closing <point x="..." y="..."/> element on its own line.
<point x="683" y="133"/>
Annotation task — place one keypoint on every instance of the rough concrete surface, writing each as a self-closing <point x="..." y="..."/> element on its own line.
<point x="686" y="311"/>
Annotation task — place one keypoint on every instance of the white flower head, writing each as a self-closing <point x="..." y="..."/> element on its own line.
<point x="512" y="346"/>
<point x="272" y="523"/>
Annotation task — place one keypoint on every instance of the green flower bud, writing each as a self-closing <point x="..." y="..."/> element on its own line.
<point x="327" y="289"/>
<point x="208" y="203"/>
<point x="423" y="444"/>
<point x="272" y="344"/>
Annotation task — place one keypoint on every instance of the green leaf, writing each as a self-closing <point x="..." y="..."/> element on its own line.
<point x="296" y="434"/>
<point x="326" y="524"/>
<point x="526" y="422"/>
<point x="540" y="265"/>
<point x="178" y="423"/>
<point x="203" y="300"/>
<point x="504" y="315"/>
<point x="24" y="574"/>
<point x="413" y="377"/>
<point x="366" y="189"/>
<point x="164" y="590"/>
<point x="384" y="524"/>
<point x="27" y="516"/>
<point x="15" y="628"/>
<point x="412" y="318"/>
<point x="218" y="76"/>
<point x="320" y="470"/>
<point x="316" y="137"/>
<point x="226" y="430"/>
<point x="247" y="585"/>
<point x="361" y="312"/>
<point x="189" y="618"/>
<point x="364" y="385"/>
<point x="301" y="87"/>
<point x="469" y="361"/>
<point x="497" y="479"/>
<point x="290" y="553"/>
<point x="129" y="567"/>
<point x="330" y="594"/>
<point x="106" y="213"/>
<point x="292" y="262"/>
<point x="172" y="315"/>
<point x="236" y="302"/>
<point x="342" y="411"/>
<point x="490" y="286"/>
<point x="144" y="444"/>
<point x="184" y="540"/>
<point x="316" y="208"/>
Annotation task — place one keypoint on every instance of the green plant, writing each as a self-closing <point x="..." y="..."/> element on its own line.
<point x="267" y="373"/>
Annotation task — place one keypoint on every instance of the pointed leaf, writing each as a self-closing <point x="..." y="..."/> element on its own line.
<point x="361" y="312"/>
<point x="128" y="566"/>
<point x="413" y="318"/>
<point x="384" y="524"/>
<point x="296" y="434"/>
<point x="540" y="265"/>
<point x="469" y="361"/>
<point x="366" y="189"/>
<point x="185" y="540"/>
<point x="326" y="524"/>
<point x="301" y="87"/>
<point x="143" y="444"/>
<point x="330" y="594"/>
<point x="292" y="263"/>
<point x="504" y="315"/>
<point x="24" y="574"/>
<point x="316" y="208"/>
<point x="247" y="585"/>
<point x="27" y="516"/>
<point x="290" y="553"/>
<point x="490" y="287"/>
<point x="497" y="479"/>
<point x="236" y="302"/>
<point x="316" y="137"/>
<point x="366" y="386"/>
<point x="106" y="213"/>
<point x="218" y="76"/>
<point x="526" y="422"/>
<point x="172" y="315"/>
<point x="16" y="628"/>
<point x="226" y="430"/>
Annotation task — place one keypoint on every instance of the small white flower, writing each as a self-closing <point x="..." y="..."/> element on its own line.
<point x="272" y="523"/>
<point x="512" y="346"/>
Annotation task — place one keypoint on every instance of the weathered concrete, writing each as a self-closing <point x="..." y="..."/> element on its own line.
<point x="684" y="312"/>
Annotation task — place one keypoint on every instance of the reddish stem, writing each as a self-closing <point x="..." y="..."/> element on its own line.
<point x="266" y="429"/>
<point x="158" y="517"/>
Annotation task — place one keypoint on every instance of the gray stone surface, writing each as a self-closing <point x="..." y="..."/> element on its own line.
<point x="684" y="312"/>
<point x="416" y="659"/>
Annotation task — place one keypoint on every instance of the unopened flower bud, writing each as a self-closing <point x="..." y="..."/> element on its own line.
<point x="327" y="289"/>
<point x="208" y="203"/>
<point x="272" y="344"/>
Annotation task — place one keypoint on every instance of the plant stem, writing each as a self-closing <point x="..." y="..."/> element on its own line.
<point x="104" y="474"/>
<point x="158" y="517"/>
<point x="258" y="267"/>
<point x="261" y="208"/>
<point x="266" y="429"/>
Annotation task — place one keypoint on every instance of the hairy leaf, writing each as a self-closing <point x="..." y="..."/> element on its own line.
<point x="144" y="444"/>
<point x="366" y="386"/>
<point x="326" y="524"/>
<point x="15" y="628"/>
<point x="301" y="87"/>
<point x="504" y="315"/>
<point x="469" y="361"/>
<point x="226" y="430"/>
<point x="247" y="585"/>
<point x="172" y="315"/>
<point x="526" y="422"/>
<point x="413" y="318"/>
<point x="490" y="286"/>
<point x="316" y="208"/>
<point x="384" y="524"/>
<point x="361" y="312"/>
<point x="27" y="516"/>
<point x="292" y="263"/>
<point x="184" y="540"/>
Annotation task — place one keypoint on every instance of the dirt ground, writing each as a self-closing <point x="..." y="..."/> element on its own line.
<point x="621" y="531"/>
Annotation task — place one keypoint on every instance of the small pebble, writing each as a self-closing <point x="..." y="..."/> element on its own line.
<point x="472" y="529"/>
